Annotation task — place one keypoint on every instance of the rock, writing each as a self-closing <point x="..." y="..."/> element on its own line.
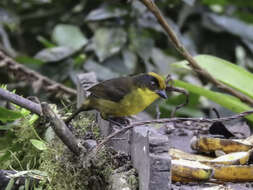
<point x="123" y="181"/>
<point x="160" y="172"/>
<point x="158" y="144"/>
<point x="89" y="144"/>
<point x="140" y="155"/>
<point x="149" y="156"/>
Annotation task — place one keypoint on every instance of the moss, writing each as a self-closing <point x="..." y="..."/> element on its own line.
<point x="132" y="179"/>
<point x="85" y="126"/>
<point x="65" y="171"/>
<point x="62" y="172"/>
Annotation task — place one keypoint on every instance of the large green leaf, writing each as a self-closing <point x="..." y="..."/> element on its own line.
<point x="108" y="41"/>
<point x="191" y="109"/>
<point x="225" y="71"/>
<point x="9" y="115"/>
<point x="224" y="100"/>
<point x="69" y="35"/>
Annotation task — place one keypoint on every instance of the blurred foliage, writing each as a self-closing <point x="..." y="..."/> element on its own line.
<point x="16" y="149"/>
<point x="114" y="38"/>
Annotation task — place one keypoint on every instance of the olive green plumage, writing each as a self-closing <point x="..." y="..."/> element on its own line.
<point x="125" y="96"/>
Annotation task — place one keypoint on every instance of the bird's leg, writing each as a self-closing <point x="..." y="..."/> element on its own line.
<point x="74" y="115"/>
<point x="119" y="121"/>
<point x="112" y="120"/>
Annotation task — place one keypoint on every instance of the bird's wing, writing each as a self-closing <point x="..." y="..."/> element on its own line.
<point x="114" y="89"/>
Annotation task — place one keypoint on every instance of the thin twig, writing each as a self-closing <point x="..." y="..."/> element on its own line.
<point x="175" y="89"/>
<point x="32" y="77"/>
<point x="23" y="102"/>
<point x="216" y="112"/>
<point x="161" y="121"/>
<point x="184" y="52"/>
<point x="170" y="88"/>
<point x="158" y="113"/>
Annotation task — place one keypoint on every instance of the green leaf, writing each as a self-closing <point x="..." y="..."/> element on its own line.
<point x="224" y="100"/>
<point x="141" y="43"/>
<point x="28" y="60"/>
<point x="191" y="109"/>
<point x="27" y="183"/>
<point x="185" y="111"/>
<point x="10" y="184"/>
<point x="6" y="127"/>
<point x="79" y="59"/>
<point x="9" y="115"/>
<point x="224" y="71"/>
<point x="108" y="41"/>
<point x="105" y="12"/>
<point x="32" y="119"/>
<point x="55" y="54"/>
<point x="105" y="73"/>
<point x="5" y="159"/>
<point x="45" y="42"/>
<point x="6" y="140"/>
<point x="69" y="35"/>
<point x="40" y="145"/>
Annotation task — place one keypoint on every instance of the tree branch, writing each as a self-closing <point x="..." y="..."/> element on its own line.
<point x="37" y="80"/>
<point x="184" y="52"/>
<point x="23" y="102"/>
<point x="62" y="130"/>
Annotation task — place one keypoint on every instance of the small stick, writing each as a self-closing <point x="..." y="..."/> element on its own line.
<point x="160" y="121"/>
<point x="216" y="112"/>
<point x="175" y="89"/>
<point x="23" y="102"/>
<point x="170" y="88"/>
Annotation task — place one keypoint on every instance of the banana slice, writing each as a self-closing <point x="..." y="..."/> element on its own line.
<point x="209" y="144"/>
<point x="191" y="170"/>
<point x="176" y="178"/>
<point x="217" y="187"/>
<point x="179" y="154"/>
<point x="233" y="173"/>
<point x="249" y="140"/>
<point x="235" y="158"/>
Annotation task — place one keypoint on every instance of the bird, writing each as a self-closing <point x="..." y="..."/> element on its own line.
<point x="124" y="96"/>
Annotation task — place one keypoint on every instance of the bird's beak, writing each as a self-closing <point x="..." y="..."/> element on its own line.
<point x="162" y="93"/>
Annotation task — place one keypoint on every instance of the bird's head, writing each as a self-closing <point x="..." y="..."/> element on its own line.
<point x="153" y="82"/>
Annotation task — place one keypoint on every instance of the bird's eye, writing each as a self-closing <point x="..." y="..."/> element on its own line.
<point x="153" y="83"/>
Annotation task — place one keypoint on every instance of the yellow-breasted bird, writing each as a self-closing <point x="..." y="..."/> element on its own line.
<point x="124" y="96"/>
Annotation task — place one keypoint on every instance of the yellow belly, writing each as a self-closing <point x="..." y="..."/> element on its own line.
<point x="131" y="104"/>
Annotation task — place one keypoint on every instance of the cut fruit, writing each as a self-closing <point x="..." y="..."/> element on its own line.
<point x="209" y="144"/>
<point x="179" y="154"/>
<point x="233" y="173"/>
<point x="191" y="170"/>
